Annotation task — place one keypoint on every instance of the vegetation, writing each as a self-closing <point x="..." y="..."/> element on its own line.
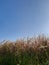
<point x="33" y="51"/>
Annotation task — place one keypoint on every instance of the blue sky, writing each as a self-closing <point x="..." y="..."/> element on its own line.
<point x="22" y="18"/>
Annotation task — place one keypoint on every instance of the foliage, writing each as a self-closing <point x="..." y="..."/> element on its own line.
<point x="34" y="51"/>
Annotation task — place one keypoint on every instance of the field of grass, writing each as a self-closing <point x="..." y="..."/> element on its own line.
<point x="33" y="51"/>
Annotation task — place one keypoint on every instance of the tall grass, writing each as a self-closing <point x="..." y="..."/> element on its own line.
<point x="33" y="51"/>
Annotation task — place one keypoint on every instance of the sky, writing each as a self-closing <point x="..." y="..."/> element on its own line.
<point x="23" y="18"/>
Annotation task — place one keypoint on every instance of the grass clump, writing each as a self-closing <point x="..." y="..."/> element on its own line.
<point x="34" y="51"/>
